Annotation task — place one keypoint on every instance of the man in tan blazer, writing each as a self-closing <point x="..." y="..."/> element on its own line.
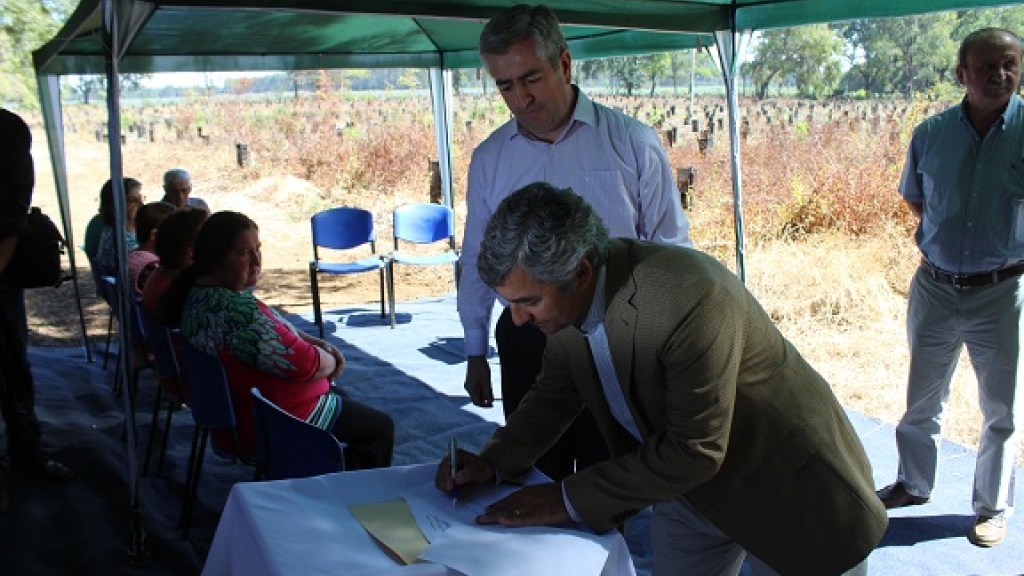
<point x="709" y="413"/>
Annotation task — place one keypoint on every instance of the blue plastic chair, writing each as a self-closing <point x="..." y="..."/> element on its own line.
<point x="292" y="448"/>
<point x="344" y="228"/>
<point x="140" y="360"/>
<point x="165" y="363"/>
<point x="422" y="224"/>
<point x="101" y="287"/>
<point x="212" y="409"/>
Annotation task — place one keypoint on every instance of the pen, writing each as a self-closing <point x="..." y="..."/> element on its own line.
<point x="453" y="450"/>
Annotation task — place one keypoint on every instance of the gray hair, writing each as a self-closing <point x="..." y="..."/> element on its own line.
<point x="981" y="37"/>
<point x="176" y="174"/>
<point x="545" y="232"/>
<point x="520" y="23"/>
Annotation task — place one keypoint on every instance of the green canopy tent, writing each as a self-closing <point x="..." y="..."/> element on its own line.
<point x="228" y="36"/>
<point x="123" y="36"/>
<point x="111" y="37"/>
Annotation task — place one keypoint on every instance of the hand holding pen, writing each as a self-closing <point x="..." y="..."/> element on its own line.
<point x="459" y="470"/>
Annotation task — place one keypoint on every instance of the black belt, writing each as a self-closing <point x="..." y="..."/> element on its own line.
<point x="974" y="280"/>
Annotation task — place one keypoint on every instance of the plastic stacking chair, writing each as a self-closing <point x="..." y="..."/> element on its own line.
<point x="140" y="360"/>
<point x="101" y="292"/>
<point x="422" y="224"/>
<point x="292" y="448"/>
<point x="170" y="392"/>
<point x="212" y="409"/>
<point x="344" y="229"/>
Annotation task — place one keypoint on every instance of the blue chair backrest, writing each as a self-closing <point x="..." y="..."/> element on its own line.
<point x="424" y="223"/>
<point x="97" y="279"/>
<point x="158" y="336"/>
<point x="292" y="448"/>
<point x="342" y="228"/>
<point x="108" y="291"/>
<point x="208" y="383"/>
<point x="113" y="297"/>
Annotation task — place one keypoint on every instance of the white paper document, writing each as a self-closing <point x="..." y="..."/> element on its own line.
<point x="503" y="551"/>
<point x="435" y="512"/>
<point x="458" y="542"/>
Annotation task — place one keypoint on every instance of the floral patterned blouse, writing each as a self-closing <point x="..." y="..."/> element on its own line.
<point x="258" y="348"/>
<point x="106" y="254"/>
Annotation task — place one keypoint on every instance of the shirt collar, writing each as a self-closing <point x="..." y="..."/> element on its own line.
<point x="584" y="113"/>
<point x="1004" y="119"/>
<point x="595" y="316"/>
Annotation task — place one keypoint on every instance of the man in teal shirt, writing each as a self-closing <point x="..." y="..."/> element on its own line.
<point x="964" y="179"/>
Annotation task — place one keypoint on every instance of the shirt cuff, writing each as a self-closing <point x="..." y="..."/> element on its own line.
<point x="568" y="507"/>
<point x="476" y="342"/>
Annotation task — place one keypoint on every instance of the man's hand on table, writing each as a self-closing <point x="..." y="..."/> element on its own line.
<point x="535" y="505"/>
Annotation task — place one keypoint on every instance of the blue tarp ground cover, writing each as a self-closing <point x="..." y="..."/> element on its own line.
<point x="415" y="372"/>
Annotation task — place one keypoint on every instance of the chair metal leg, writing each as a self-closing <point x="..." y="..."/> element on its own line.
<point x="195" y="467"/>
<point x="163" y="443"/>
<point x="382" y="298"/>
<point x="152" y="429"/>
<point x="314" y="287"/>
<point x="391" y="290"/>
<point x="110" y="330"/>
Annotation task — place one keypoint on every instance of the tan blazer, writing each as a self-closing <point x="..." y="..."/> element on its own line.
<point x="731" y="418"/>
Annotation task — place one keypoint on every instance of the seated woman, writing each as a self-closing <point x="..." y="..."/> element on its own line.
<point x="106" y="254"/>
<point x="143" y="260"/>
<point x="211" y="302"/>
<point x="97" y="224"/>
<point x="175" y="238"/>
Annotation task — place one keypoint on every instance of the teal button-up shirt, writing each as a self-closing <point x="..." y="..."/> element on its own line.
<point x="971" y="189"/>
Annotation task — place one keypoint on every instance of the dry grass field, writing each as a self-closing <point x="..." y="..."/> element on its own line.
<point x="828" y="247"/>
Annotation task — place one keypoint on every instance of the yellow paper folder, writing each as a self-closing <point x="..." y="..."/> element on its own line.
<point x="393" y="526"/>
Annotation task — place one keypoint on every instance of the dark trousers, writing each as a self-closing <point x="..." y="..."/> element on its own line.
<point x="368" y="433"/>
<point x="17" y="390"/>
<point x="521" y="351"/>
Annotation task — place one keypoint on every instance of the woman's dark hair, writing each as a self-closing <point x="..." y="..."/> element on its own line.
<point x="107" y="198"/>
<point x="215" y="240"/>
<point x="149" y="217"/>
<point x="177" y="234"/>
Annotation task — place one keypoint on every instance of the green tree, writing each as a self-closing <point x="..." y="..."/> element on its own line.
<point x="871" y="56"/>
<point x="653" y="67"/>
<point x="679" y="66"/>
<point x="86" y="86"/>
<point x="967" y="21"/>
<point x="810" y="55"/>
<point x="927" y="51"/>
<point x="818" y="63"/>
<point x="25" y="25"/>
<point x="626" y="72"/>
<point x="89" y="85"/>
<point x="905" y="55"/>
<point x="590" y="69"/>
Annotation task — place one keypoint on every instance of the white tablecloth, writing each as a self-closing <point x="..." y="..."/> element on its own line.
<point x="303" y="528"/>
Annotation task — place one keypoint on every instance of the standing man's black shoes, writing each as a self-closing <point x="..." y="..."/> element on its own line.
<point x="896" y="496"/>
